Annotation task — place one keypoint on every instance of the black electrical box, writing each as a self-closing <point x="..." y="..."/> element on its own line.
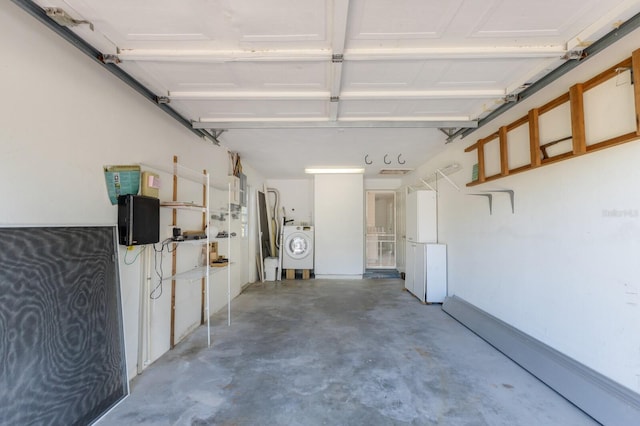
<point x="138" y="220"/>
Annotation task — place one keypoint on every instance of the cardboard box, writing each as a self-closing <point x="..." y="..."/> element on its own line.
<point x="213" y="252"/>
<point x="150" y="184"/>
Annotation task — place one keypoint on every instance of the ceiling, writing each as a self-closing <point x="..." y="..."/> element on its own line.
<point x="295" y="83"/>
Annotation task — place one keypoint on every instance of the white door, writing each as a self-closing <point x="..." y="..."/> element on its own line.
<point x="409" y="273"/>
<point x="436" y="269"/>
<point x="420" y="277"/>
<point x="381" y="229"/>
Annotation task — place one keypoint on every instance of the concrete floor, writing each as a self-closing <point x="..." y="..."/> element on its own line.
<point x="332" y="352"/>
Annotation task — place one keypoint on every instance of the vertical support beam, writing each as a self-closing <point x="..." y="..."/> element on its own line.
<point x="534" y="137"/>
<point x="205" y="228"/>
<point x="340" y="17"/>
<point x="334" y="104"/>
<point x="504" y="151"/>
<point x="481" y="174"/>
<point x="174" y="222"/>
<point x="635" y="70"/>
<point x="576" y="102"/>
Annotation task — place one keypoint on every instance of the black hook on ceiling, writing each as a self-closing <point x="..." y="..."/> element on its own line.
<point x="366" y="160"/>
<point x="385" y="159"/>
<point x="400" y="162"/>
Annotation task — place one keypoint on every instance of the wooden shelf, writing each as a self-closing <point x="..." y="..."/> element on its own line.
<point x="579" y="146"/>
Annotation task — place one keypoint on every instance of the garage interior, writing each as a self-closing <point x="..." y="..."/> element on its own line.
<point x="521" y="119"/>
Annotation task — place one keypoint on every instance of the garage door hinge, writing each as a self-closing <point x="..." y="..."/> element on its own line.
<point x="337" y="58"/>
<point x="109" y="59"/>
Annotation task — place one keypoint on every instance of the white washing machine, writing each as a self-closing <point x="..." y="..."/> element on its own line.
<point x="297" y="250"/>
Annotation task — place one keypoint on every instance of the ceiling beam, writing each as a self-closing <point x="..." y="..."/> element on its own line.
<point x="323" y="55"/>
<point x="423" y="94"/>
<point x="459" y="52"/>
<point x="251" y="96"/>
<point x="363" y="124"/>
<point x="339" y="24"/>
<point x="223" y="56"/>
<point x="349" y="95"/>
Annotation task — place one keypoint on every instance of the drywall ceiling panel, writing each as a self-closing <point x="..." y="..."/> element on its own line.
<point x="289" y="151"/>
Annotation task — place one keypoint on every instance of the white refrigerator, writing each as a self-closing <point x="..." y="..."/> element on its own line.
<point x="426" y="260"/>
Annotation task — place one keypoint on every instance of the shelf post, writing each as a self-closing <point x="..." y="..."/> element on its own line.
<point x="577" y="119"/>
<point x="174" y="222"/>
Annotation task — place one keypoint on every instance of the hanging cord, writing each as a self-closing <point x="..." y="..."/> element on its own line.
<point x="126" y="262"/>
<point x="157" y="266"/>
<point x="276" y="215"/>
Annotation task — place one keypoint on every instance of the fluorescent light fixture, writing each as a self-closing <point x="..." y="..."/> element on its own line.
<point x="395" y="171"/>
<point x="335" y="170"/>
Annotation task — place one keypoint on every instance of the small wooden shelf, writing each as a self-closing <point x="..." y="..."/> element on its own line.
<point x="578" y="137"/>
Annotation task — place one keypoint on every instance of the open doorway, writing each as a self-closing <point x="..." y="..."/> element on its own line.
<point x="381" y="230"/>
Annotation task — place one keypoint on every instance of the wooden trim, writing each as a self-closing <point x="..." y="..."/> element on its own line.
<point x="172" y="343"/>
<point x="577" y="119"/>
<point x="606" y="75"/>
<point x="482" y="141"/>
<point x="635" y="66"/>
<point x="481" y="175"/>
<point x="498" y="176"/>
<point x="486" y="179"/>
<point x="564" y="98"/>
<point x="612" y="142"/>
<point x="558" y="157"/>
<point x="203" y="282"/>
<point x="575" y="97"/>
<point x="504" y="151"/>
<point x="534" y="137"/>
<point x="472" y="147"/>
<point x="520" y="169"/>
<point x="519" y="122"/>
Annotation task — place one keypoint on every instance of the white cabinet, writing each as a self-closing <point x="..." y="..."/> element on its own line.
<point x="426" y="271"/>
<point x="421" y="221"/>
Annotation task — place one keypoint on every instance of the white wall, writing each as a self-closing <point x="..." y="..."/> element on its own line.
<point x="296" y="196"/>
<point x="339" y="225"/>
<point x="61" y="119"/>
<point x="564" y="268"/>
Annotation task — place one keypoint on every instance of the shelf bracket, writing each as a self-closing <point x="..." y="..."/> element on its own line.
<point x="511" y="196"/>
<point x="489" y="197"/>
